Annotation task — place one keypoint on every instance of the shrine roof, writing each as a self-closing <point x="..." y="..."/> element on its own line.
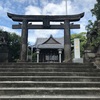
<point x="51" y="46"/>
<point x="38" y="18"/>
<point x="42" y="43"/>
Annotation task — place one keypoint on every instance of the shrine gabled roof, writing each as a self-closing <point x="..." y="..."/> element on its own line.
<point x="51" y="40"/>
<point x="45" y="43"/>
<point x="38" y="18"/>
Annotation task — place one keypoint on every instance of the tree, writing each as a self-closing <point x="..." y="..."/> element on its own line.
<point x="82" y="37"/>
<point x="14" y="41"/>
<point x="91" y="26"/>
<point x="96" y="10"/>
<point x="14" y="46"/>
<point x="94" y="25"/>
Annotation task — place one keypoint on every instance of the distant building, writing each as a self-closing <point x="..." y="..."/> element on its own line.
<point x="49" y="49"/>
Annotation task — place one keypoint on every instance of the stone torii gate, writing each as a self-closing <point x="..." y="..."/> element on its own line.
<point x="46" y="19"/>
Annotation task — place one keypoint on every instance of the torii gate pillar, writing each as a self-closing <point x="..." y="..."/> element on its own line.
<point x="24" y="41"/>
<point x="67" y="42"/>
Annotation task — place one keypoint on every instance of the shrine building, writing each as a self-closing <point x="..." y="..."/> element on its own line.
<point x="49" y="49"/>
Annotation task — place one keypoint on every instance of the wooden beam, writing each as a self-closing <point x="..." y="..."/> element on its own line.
<point x="72" y="26"/>
<point x="38" y="18"/>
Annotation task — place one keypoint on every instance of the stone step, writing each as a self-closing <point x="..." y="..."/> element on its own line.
<point x="52" y="81"/>
<point x="50" y="91"/>
<point x="49" y="70"/>
<point x="49" y="73"/>
<point x="50" y="97"/>
<point x="50" y="78"/>
<point x="44" y="64"/>
<point x="47" y="66"/>
<point x="51" y="84"/>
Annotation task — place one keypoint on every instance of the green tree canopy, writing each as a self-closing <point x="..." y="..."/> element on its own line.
<point x="14" y="41"/>
<point x="94" y="25"/>
<point x="96" y="10"/>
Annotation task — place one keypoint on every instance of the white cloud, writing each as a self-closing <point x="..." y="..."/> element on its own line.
<point x="32" y="10"/>
<point x="3" y="11"/>
<point x="54" y="9"/>
<point x="4" y="8"/>
<point x="44" y="2"/>
<point x="4" y="28"/>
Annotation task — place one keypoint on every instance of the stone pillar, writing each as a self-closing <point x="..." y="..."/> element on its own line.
<point x="31" y="53"/>
<point x="24" y="40"/>
<point x="60" y="52"/>
<point x="67" y="42"/>
<point x="37" y="52"/>
<point x="76" y="48"/>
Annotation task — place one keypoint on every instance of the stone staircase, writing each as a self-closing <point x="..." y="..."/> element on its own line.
<point x="49" y="81"/>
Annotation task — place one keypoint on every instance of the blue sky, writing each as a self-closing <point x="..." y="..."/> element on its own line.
<point x="44" y="7"/>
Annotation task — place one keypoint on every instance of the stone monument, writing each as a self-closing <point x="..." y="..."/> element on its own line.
<point x="77" y="58"/>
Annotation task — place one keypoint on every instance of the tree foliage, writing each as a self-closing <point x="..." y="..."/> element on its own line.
<point x="14" y="41"/>
<point x="14" y="47"/>
<point x="96" y="10"/>
<point x="91" y="25"/>
<point x="94" y="25"/>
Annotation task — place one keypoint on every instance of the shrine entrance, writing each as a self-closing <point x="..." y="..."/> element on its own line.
<point x="46" y="19"/>
<point x="50" y="55"/>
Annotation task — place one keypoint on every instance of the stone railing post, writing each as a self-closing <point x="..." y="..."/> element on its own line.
<point x="37" y="52"/>
<point x="60" y="52"/>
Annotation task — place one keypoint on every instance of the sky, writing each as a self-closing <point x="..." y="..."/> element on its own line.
<point x="45" y="7"/>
